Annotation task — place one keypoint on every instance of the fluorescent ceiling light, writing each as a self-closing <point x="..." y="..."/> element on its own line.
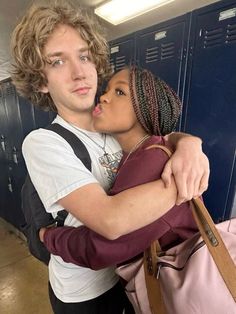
<point x="119" y="11"/>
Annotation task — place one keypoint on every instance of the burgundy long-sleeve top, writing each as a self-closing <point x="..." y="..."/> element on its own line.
<point x="84" y="247"/>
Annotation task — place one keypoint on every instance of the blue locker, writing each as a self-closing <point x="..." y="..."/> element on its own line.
<point x="42" y="118"/>
<point x="14" y="123"/>
<point x="33" y="117"/>
<point x="211" y="99"/>
<point x="3" y="162"/>
<point x="12" y="161"/>
<point x="163" y="50"/>
<point x="122" y="52"/>
<point x="17" y="118"/>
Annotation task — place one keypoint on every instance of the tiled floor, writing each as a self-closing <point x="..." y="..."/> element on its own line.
<point x="23" y="279"/>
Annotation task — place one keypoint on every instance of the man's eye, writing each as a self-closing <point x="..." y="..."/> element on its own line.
<point x="119" y="92"/>
<point x="84" y="58"/>
<point x="57" y="62"/>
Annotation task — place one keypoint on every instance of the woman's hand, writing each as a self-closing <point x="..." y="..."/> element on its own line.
<point x="41" y="233"/>
<point x="43" y="230"/>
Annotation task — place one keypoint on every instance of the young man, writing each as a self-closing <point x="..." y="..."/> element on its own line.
<point x="59" y="56"/>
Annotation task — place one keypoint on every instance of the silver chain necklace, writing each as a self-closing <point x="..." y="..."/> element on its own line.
<point x="103" y="148"/>
<point x="136" y="146"/>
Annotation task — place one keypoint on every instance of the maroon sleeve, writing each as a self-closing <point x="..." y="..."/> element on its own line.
<point x="85" y="247"/>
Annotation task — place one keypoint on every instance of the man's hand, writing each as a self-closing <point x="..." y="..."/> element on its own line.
<point x="190" y="168"/>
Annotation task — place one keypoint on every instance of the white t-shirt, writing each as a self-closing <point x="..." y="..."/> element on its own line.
<point x="55" y="172"/>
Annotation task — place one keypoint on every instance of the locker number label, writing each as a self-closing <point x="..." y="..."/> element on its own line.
<point x="227" y="14"/>
<point x="160" y="35"/>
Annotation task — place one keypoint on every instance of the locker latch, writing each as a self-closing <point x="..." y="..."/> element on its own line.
<point x="3" y="145"/>
<point x="14" y="155"/>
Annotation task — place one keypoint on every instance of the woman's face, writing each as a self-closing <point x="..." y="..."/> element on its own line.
<point x="115" y="114"/>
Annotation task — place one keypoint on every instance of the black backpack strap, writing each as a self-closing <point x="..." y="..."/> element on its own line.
<point x="80" y="151"/>
<point x="77" y="145"/>
<point x="61" y="217"/>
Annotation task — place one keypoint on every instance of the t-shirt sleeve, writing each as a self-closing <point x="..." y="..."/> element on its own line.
<point x="53" y="167"/>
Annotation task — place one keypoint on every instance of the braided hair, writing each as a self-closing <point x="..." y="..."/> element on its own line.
<point x="156" y="105"/>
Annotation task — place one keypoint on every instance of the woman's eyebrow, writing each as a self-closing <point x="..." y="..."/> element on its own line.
<point x="122" y="82"/>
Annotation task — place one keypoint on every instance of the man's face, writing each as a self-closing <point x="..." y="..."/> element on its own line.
<point x="71" y="74"/>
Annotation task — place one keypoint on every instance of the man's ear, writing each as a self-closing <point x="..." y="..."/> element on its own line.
<point x="43" y="89"/>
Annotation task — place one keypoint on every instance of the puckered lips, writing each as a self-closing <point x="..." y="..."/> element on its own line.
<point x="97" y="110"/>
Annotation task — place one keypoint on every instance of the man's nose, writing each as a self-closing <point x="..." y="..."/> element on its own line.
<point x="77" y="70"/>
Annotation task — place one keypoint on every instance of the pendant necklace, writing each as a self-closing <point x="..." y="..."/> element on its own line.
<point x="136" y="146"/>
<point x="103" y="148"/>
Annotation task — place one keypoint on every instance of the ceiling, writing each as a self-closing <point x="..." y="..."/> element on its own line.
<point x="10" y="11"/>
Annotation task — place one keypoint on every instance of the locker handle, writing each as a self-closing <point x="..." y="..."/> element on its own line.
<point x="14" y="155"/>
<point x="10" y="187"/>
<point x="3" y="144"/>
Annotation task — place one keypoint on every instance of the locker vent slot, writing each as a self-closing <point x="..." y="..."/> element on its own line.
<point x="152" y="54"/>
<point x="213" y="38"/>
<point x="231" y="34"/>
<point x="120" y="63"/>
<point x="112" y="64"/>
<point x="9" y="89"/>
<point x="167" y="50"/>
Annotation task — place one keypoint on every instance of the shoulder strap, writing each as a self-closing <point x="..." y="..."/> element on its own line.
<point x="80" y="151"/>
<point x="77" y="145"/>
<point x="156" y="301"/>
<point x="166" y="150"/>
<point x="153" y="285"/>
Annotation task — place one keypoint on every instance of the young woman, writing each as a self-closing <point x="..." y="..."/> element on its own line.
<point x="138" y="109"/>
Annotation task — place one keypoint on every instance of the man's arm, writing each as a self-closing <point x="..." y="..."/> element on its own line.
<point x="189" y="166"/>
<point x="114" y="216"/>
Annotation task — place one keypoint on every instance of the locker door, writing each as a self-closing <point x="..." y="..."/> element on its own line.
<point x="15" y="162"/>
<point x="122" y="52"/>
<point x="7" y="198"/>
<point x="162" y="49"/>
<point x="14" y="124"/>
<point x="3" y="163"/>
<point x="42" y="118"/>
<point x="26" y="115"/>
<point x="33" y="117"/>
<point x="211" y="105"/>
<point x="17" y="118"/>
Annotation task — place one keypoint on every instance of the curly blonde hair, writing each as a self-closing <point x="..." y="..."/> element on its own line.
<point x="31" y="35"/>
